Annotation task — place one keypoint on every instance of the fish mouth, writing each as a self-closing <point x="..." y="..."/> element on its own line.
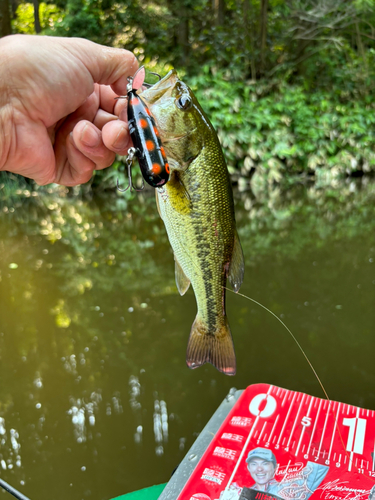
<point x="155" y="92"/>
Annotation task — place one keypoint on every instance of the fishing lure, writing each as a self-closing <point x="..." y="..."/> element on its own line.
<point x="148" y="147"/>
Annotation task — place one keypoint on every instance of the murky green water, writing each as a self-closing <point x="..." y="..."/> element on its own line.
<point x="95" y="396"/>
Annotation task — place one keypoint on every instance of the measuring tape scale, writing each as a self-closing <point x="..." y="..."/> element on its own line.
<point x="280" y="444"/>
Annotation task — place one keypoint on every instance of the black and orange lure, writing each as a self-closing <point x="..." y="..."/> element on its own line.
<point x="148" y="147"/>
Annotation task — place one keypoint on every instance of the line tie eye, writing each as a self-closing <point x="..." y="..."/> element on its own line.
<point x="184" y="102"/>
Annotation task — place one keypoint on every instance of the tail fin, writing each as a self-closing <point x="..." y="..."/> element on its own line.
<point x="215" y="348"/>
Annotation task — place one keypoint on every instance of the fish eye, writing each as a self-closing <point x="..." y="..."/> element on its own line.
<point x="184" y="102"/>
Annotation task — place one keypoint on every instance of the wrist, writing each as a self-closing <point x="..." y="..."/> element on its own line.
<point x="6" y="112"/>
<point x="5" y="134"/>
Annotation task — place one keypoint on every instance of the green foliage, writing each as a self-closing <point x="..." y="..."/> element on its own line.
<point x="303" y="37"/>
<point x="83" y="18"/>
<point x="280" y="129"/>
<point x="303" y="106"/>
<point x="24" y="21"/>
<point x="123" y="24"/>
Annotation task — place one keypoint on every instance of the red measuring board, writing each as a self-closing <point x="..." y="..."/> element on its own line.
<point x="280" y="444"/>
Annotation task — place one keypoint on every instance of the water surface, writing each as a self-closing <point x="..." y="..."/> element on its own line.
<point x="95" y="396"/>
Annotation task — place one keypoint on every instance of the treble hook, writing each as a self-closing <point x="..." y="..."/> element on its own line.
<point x="149" y="85"/>
<point x="156" y="74"/>
<point x="129" y="162"/>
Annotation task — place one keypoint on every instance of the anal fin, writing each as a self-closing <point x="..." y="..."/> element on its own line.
<point x="237" y="265"/>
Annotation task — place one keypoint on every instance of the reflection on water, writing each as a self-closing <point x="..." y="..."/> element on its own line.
<point x="95" y="396"/>
<point x="160" y="425"/>
<point x="9" y="440"/>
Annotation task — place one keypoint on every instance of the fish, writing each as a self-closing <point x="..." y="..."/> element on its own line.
<point x="197" y="208"/>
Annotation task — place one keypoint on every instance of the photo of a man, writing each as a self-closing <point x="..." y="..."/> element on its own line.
<point x="262" y="466"/>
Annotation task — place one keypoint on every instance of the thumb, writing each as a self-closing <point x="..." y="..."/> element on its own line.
<point x="107" y="65"/>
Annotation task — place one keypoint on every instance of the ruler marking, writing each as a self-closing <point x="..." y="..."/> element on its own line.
<point x="334" y="430"/>
<point x="304" y="427"/>
<point x="324" y="428"/>
<point x="273" y="428"/>
<point x="283" y="402"/>
<point x="287" y="416"/>
<point x="264" y="426"/>
<point x="352" y="452"/>
<point x="313" y="431"/>
<point x="295" y="420"/>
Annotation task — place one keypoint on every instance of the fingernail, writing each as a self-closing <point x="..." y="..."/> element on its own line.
<point x="90" y="137"/>
<point x="121" y="139"/>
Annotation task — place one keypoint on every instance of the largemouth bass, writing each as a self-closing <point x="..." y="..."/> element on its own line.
<point x="197" y="208"/>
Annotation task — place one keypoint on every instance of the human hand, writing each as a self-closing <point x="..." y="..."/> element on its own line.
<point x="58" y="113"/>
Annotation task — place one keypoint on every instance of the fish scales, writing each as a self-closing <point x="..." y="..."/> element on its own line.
<point x="196" y="231"/>
<point x="197" y="208"/>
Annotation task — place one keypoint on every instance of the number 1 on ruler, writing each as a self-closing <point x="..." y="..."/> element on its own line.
<point x="356" y="437"/>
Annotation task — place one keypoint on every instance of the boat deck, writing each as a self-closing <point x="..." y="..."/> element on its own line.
<point x="151" y="493"/>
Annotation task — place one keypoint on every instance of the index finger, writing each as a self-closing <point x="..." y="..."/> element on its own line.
<point x="107" y="65"/>
<point x="107" y="98"/>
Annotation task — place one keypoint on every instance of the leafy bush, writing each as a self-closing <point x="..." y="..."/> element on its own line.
<point x="24" y="21"/>
<point x="279" y="129"/>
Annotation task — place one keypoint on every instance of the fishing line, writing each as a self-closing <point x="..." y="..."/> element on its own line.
<point x="307" y="359"/>
<point x="290" y="333"/>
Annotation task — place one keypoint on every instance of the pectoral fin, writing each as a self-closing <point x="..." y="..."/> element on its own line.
<point x="237" y="265"/>
<point x="185" y="191"/>
<point x="182" y="281"/>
